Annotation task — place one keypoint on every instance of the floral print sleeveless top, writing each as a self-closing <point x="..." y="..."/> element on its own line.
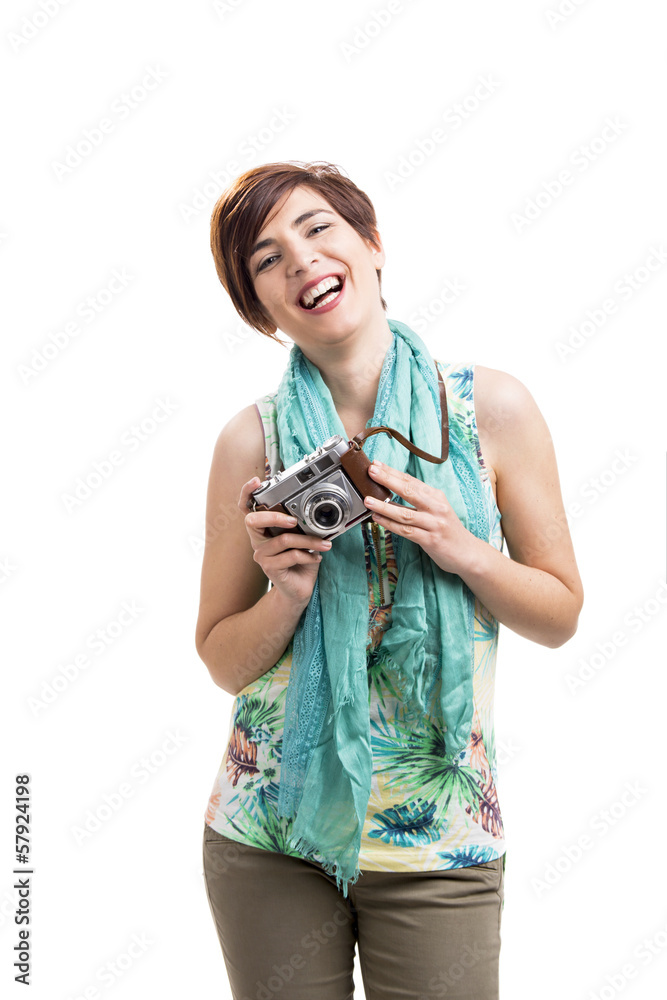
<point x="422" y="815"/>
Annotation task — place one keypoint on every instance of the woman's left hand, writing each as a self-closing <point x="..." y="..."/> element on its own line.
<point x="430" y="523"/>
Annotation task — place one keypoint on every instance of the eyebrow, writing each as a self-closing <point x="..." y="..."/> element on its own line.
<point x="297" y="222"/>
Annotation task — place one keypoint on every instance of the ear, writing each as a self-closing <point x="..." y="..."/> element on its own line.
<point x="378" y="251"/>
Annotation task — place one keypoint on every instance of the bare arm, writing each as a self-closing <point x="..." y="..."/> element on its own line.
<point x="243" y="630"/>
<point x="243" y="646"/>
<point x="537" y="592"/>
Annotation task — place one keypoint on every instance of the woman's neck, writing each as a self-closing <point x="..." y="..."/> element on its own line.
<point x="351" y="370"/>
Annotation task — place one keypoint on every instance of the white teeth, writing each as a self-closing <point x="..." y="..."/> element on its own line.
<point x="309" y="296"/>
<point x="323" y="302"/>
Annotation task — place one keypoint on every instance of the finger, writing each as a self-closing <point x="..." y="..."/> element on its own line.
<point x="392" y="513"/>
<point x="261" y="519"/>
<point x="246" y="490"/>
<point x="390" y="510"/>
<point x="393" y="480"/>
<point x="290" y="557"/>
<point x="405" y="486"/>
<point x="294" y="540"/>
<point x="280" y="536"/>
<point x="401" y="526"/>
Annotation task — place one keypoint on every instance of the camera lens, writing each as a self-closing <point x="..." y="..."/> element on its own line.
<point x="326" y="514"/>
<point x="327" y="508"/>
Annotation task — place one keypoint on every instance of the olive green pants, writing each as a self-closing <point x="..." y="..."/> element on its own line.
<point x="288" y="933"/>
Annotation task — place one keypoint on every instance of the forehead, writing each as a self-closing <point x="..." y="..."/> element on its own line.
<point x="288" y="208"/>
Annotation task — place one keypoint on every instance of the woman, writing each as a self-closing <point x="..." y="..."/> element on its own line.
<point x="361" y="750"/>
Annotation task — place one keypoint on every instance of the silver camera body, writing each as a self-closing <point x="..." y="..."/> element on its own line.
<point x="317" y="491"/>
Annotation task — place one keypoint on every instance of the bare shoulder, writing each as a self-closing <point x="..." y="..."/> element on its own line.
<point x="505" y="412"/>
<point x="517" y="440"/>
<point x="500" y="396"/>
<point x="231" y="580"/>
<point x="240" y="444"/>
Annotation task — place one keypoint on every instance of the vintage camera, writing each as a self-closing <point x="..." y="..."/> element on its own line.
<point x="325" y="491"/>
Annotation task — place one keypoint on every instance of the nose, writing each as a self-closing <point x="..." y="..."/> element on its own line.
<point x="300" y="258"/>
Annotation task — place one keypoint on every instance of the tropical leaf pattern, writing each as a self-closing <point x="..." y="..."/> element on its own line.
<point x="424" y="813"/>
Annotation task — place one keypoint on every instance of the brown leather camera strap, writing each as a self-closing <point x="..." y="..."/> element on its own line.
<point x="359" y="438"/>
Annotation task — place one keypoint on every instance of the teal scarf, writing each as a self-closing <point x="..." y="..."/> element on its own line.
<point x="326" y="766"/>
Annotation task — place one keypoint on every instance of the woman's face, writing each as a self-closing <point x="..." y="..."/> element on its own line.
<point x="303" y="242"/>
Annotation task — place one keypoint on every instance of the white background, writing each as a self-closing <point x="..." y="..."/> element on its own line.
<point x="366" y="97"/>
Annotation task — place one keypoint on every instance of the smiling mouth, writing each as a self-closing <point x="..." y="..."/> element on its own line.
<point x="322" y="294"/>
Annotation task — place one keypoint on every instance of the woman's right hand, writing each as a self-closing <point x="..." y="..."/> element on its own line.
<point x="284" y="558"/>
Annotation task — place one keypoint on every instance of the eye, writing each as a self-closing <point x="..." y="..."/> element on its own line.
<point x="265" y="262"/>
<point x="315" y="229"/>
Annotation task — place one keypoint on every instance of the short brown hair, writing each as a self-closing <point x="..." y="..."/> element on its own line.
<point x="240" y="213"/>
